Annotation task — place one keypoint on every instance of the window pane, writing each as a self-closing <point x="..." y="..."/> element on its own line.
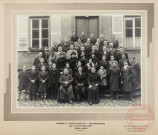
<point x="35" y="34"/>
<point x="44" y="42"/>
<point x="44" y="23"/>
<point x="137" y="32"/>
<point x="129" y="33"/>
<point x="45" y="33"/>
<point x="35" y="43"/>
<point x="137" y="22"/>
<point x="35" y="23"/>
<point x="129" y="23"/>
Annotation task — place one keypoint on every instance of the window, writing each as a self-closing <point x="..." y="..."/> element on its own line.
<point x="39" y="32"/>
<point x="133" y="31"/>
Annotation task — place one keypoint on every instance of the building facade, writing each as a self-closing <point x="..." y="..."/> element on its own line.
<point x="35" y="32"/>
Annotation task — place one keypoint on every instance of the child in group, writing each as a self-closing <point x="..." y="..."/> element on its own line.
<point x="69" y="68"/>
<point x="114" y="73"/>
<point x="103" y="83"/>
<point x="53" y="82"/>
<point x="33" y="82"/>
<point x="23" y="81"/>
<point x="93" y="82"/>
<point x="43" y="81"/>
<point x="65" y="93"/>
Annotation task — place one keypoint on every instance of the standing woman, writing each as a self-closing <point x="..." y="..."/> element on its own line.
<point x="127" y="76"/>
<point x="33" y="82"/>
<point x="114" y="73"/>
<point x="53" y="82"/>
<point x="43" y="81"/>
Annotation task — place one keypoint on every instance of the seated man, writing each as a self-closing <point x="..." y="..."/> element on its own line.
<point x="93" y="90"/>
<point x="80" y="84"/>
<point x="65" y="93"/>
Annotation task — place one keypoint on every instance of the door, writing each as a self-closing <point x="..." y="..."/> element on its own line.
<point x="89" y="25"/>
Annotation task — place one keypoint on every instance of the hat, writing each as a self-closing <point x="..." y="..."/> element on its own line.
<point x="73" y="53"/>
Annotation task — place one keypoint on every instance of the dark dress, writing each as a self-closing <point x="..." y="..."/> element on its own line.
<point x="93" y="92"/>
<point x="65" y="91"/>
<point x="72" y="62"/>
<point x="23" y="81"/>
<point x="114" y="74"/>
<point x="127" y="76"/>
<point x="61" y="61"/>
<point x="43" y="86"/>
<point x="33" y="87"/>
<point x="53" y="83"/>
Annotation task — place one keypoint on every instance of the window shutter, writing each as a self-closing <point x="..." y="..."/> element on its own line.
<point x="22" y="33"/>
<point x="55" y="29"/>
<point x="117" y="28"/>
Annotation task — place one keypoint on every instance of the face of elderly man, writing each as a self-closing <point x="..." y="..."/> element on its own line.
<point x="92" y="35"/>
<point x="71" y="47"/>
<point x="59" y="49"/>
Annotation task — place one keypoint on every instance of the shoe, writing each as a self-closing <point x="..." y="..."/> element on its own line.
<point x="90" y="103"/>
<point x="71" y="102"/>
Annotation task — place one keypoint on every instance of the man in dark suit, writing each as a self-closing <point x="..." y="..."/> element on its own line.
<point x="92" y="39"/>
<point x="83" y="37"/>
<point x="80" y="84"/>
<point x="74" y="38"/>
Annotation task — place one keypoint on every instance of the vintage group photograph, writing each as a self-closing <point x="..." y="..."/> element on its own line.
<point x="79" y="60"/>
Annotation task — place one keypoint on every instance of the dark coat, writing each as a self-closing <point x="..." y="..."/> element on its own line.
<point x="23" y="81"/>
<point x="93" y="92"/>
<point x="127" y="76"/>
<point x="61" y="61"/>
<point x="36" y="61"/>
<point x="43" y="76"/>
<point x="93" y="78"/>
<point x="118" y="56"/>
<point x="107" y="55"/>
<point x="80" y="78"/>
<point x="53" y="78"/>
<point x="72" y="62"/>
<point x="83" y="39"/>
<point x="93" y="41"/>
<point x="114" y="74"/>
<point x="137" y="72"/>
<point x="74" y="38"/>
<point x="33" y="76"/>
<point x="65" y="90"/>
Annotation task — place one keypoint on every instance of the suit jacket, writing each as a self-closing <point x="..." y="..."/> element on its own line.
<point x="83" y="39"/>
<point x="64" y="78"/>
<point x="74" y="38"/>
<point x="80" y="78"/>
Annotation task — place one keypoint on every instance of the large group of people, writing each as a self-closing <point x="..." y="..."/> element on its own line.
<point x="81" y="69"/>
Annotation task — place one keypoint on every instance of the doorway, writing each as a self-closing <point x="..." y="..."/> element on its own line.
<point x="88" y="25"/>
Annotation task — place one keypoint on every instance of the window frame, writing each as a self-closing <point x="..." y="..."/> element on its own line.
<point x="133" y="29"/>
<point x="40" y="30"/>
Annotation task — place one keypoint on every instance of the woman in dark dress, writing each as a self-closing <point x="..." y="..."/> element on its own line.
<point x="43" y="82"/>
<point x="23" y="81"/>
<point x="114" y="73"/>
<point x="53" y="82"/>
<point x="93" y="90"/>
<point x="33" y="82"/>
<point x="127" y="78"/>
